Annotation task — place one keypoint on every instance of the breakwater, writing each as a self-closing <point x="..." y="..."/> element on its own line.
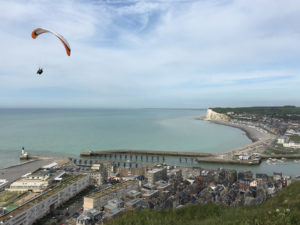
<point x="145" y="152"/>
<point x="183" y="156"/>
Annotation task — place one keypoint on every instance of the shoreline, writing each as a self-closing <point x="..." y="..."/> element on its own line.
<point x="251" y="133"/>
<point x="260" y="140"/>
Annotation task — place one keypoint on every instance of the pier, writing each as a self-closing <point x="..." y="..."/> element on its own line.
<point x="109" y="153"/>
<point x="151" y="156"/>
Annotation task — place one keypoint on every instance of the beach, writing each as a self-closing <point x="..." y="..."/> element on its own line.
<point x="253" y="133"/>
<point x="260" y="140"/>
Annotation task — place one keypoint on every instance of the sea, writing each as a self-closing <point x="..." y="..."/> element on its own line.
<point x="67" y="132"/>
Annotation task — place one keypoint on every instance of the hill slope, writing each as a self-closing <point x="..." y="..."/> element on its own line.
<point x="282" y="209"/>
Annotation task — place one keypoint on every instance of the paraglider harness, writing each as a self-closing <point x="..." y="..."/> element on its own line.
<point x="40" y="71"/>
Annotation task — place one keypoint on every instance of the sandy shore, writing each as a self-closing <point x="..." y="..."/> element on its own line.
<point x="260" y="140"/>
<point x="254" y="134"/>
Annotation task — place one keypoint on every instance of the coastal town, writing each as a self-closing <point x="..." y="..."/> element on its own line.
<point x="98" y="186"/>
<point x="273" y="135"/>
<point x="66" y="193"/>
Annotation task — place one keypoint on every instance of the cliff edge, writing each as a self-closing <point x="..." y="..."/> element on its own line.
<point x="212" y="115"/>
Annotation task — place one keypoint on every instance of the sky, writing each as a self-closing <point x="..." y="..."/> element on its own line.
<point x="164" y="53"/>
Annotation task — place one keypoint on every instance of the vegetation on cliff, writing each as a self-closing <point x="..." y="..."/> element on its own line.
<point x="290" y="112"/>
<point x="282" y="209"/>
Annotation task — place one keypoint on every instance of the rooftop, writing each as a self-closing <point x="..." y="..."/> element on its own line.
<point x="50" y="165"/>
<point x="150" y="193"/>
<point x="134" y="201"/>
<point x="110" y="189"/>
<point x="155" y="170"/>
<point x="114" y="212"/>
<point x="69" y="180"/>
<point x="115" y="201"/>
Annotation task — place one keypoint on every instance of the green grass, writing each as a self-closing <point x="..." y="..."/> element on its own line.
<point x="281" y="150"/>
<point x="6" y="197"/>
<point x="295" y="138"/>
<point x="285" y="112"/>
<point x="284" y="209"/>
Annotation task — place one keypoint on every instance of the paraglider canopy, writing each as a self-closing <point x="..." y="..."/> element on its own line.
<point x="38" y="31"/>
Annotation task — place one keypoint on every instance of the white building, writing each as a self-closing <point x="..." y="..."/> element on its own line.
<point x="89" y="217"/>
<point x="29" y="185"/>
<point x="36" y="182"/>
<point x="100" y="199"/>
<point x="244" y="157"/>
<point x="282" y="140"/>
<point x="156" y="175"/>
<point x="40" y="206"/>
<point x="291" y="144"/>
<point x="292" y="132"/>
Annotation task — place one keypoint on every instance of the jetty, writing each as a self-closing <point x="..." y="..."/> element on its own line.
<point x="145" y="152"/>
<point x="197" y="156"/>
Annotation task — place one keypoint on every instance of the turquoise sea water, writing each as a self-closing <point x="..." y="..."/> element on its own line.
<point x="70" y="131"/>
<point x="67" y="132"/>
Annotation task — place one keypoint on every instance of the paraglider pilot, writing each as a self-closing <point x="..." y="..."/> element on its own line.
<point x="40" y="71"/>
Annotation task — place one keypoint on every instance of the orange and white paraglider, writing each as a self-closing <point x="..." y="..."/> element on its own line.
<point x="36" y="32"/>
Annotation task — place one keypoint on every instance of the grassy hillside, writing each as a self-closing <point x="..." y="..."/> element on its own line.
<point x="284" y="112"/>
<point x="282" y="209"/>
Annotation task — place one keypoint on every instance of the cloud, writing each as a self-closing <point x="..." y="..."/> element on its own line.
<point x="150" y="53"/>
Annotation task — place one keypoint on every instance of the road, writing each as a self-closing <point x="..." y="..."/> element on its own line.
<point x="15" y="172"/>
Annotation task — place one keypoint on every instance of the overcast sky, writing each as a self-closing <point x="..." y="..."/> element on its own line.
<point x="167" y="53"/>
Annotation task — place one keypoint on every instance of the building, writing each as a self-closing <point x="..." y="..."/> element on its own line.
<point x="97" y="178"/>
<point x="89" y="217"/>
<point x="156" y="174"/>
<point x="116" y="203"/>
<point x="3" y="183"/>
<point x="244" y="157"/>
<point x="38" y="207"/>
<point x="134" y="194"/>
<point x="36" y="182"/>
<point x="109" y="215"/>
<point x="149" y="194"/>
<point x="100" y="199"/>
<point x="98" y="174"/>
<point x="291" y="144"/>
<point x="244" y="184"/>
<point x="163" y="187"/>
<point x="124" y="171"/>
<point x="282" y="140"/>
<point x="175" y="173"/>
<point x="133" y="204"/>
<point x="277" y="176"/>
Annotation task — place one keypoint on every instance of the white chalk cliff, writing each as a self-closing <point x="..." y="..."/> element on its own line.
<point x="211" y="115"/>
